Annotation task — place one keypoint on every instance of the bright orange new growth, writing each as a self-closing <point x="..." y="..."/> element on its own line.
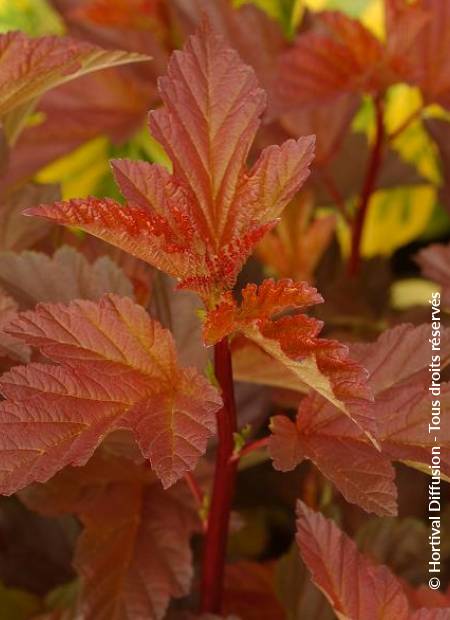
<point x="200" y="223"/>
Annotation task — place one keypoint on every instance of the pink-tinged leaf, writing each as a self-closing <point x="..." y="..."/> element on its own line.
<point x="363" y="475"/>
<point x="200" y="223"/>
<point x="356" y="588"/>
<point x="399" y="376"/>
<point x="434" y="261"/>
<point x="9" y="346"/>
<point x="32" y="277"/>
<point x="31" y="66"/>
<point x="134" y="553"/>
<point x="293" y="341"/>
<point x="116" y="368"/>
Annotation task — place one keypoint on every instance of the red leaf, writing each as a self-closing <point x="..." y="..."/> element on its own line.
<point x="200" y="223"/>
<point x="295" y="247"/>
<point x="134" y="553"/>
<point x="363" y="475"/>
<point x="250" y="31"/>
<point x="9" y="346"/>
<point x="427" y="64"/>
<point x="293" y="340"/>
<point x="357" y="589"/>
<point x="250" y="592"/>
<point x="116" y="369"/>
<point x="399" y="377"/>
<point x="342" y="56"/>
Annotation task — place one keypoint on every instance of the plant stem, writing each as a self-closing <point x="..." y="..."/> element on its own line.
<point x="370" y="180"/>
<point x="224" y="479"/>
<point x="258" y="444"/>
<point x="334" y="193"/>
<point x="194" y="488"/>
<point x="406" y="123"/>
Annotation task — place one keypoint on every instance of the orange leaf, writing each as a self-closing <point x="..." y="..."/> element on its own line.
<point x="356" y="588"/>
<point x="116" y="368"/>
<point x="294" y="341"/>
<point x="200" y="223"/>
<point x="134" y="552"/>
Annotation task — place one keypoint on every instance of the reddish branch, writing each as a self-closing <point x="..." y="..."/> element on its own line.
<point x="370" y="180"/>
<point x="251" y="447"/>
<point x="224" y="478"/>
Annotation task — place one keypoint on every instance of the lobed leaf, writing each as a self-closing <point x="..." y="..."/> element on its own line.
<point x="342" y="56"/>
<point x="294" y="342"/>
<point x="200" y="223"/>
<point x="134" y="552"/>
<point x="399" y="377"/>
<point x="114" y="368"/>
<point x="32" y="277"/>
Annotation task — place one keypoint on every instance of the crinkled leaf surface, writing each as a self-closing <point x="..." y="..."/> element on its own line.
<point x="32" y="277"/>
<point x="114" y="367"/>
<point x="293" y="341"/>
<point x="200" y="223"/>
<point x="399" y="377"/>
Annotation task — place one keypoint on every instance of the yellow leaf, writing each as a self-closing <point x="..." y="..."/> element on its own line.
<point x="411" y="292"/>
<point x="79" y="172"/>
<point x="413" y="144"/>
<point x="394" y="217"/>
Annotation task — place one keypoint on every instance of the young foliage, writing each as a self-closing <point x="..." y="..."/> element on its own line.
<point x="113" y="367"/>
<point x="200" y="223"/>
<point x="293" y="340"/>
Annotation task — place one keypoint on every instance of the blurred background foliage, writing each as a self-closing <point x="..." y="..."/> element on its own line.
<point x="397" y="216"/>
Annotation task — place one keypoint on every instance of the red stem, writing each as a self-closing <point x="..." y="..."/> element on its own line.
<point x="251" y="447"/>
<point x="194" y="488"/>
<point x="367" y="190"/>
<point x="224" y="479"/>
